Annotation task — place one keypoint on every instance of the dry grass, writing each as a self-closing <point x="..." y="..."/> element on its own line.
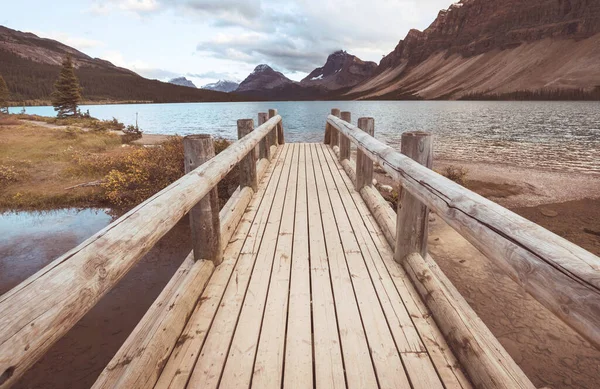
<point x="457" y="174"/>
<point x="36" y="162"/>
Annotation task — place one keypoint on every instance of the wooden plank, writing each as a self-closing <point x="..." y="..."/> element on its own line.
<point x="298" y="372"/>
<point x="40" y="310"/>
<point x="184" y="357"/>
<point x="561" y="275"/>
<point x="343" y="140"/>
<point x="238" y="368"/>
<point x="232" y="212"/>
<point x="328" y="361"/>
<point x="268" y="366"/>
<point x="444" y="361"/>
<point x="364" y="165"/>
<point x="355" y="347"/>
<point x="210" y="365"/>
<point x="386" y="358"/>
<point x="247" y="166"/>
<point x="141" y="359"/>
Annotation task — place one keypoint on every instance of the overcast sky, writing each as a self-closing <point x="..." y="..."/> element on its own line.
<point x="206" y="40"/>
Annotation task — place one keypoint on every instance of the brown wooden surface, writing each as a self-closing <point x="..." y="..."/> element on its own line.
<point x="204" y="217"/>
<point x="343" y="140"/>
<point x="307" y="237"/>
<point x="562" y="276"/>
<point x="364" y="164"/>
<point x="247" y="166"/>
<point x="412" y="225"/>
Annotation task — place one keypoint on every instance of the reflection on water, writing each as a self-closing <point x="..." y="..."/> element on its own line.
<point x="549" y="135"/>
<point x="31" y="240"/>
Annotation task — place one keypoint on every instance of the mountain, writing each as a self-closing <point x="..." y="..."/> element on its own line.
<point x="222" y="86"/>
<point x="30" y="65"/>
<point x="490" y="48"/>
<point x="263" y="78"/>
<point x="342" y="70"/>
<point x="182" y="81"/>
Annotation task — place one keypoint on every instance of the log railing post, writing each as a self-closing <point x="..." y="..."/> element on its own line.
<point x="274" y="134"/>
<point x="364" y="164"/>
<point x="334" y="132"/>
<point x="412" y="222"/>
<point x="264" y="147"/>
<point x="247" y="166"/>
<point x="204" y="216"/>
<point x="343" y="139"/>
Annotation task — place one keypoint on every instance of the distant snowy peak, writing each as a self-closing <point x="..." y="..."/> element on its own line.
<point x="222" y="86"/>
<point x="341" y="70"/>
<point x="182" y="81"/>
<point x="263" y="77"/>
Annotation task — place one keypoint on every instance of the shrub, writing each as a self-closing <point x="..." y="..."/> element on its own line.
<point x="9" y="174"/>
<point x="144" y="172"/>
<point x="455" y="173"/>
<point x="131" y="133"/>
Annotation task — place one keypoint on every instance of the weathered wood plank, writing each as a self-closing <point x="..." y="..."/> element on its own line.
<point x="212" y="359"/>
<point x="328" y="362"/>
<point x="39" y="311"/>
<point x="140" y="360"/>
<point x="269" y="362"/>
<point x="238" y="368"/>
<point x="359" y="366"/>
<point x="247" y="166"/>
<point x="561" y="275"/>
<point x="264" y="147"/>
<point x="334" y="132"/>
<point x="444" y="361"/>
<point x="384" y="353"/>
<point x="343" y="140"/>
<point x="298" y="373"/>
<point x="184" y="357"/>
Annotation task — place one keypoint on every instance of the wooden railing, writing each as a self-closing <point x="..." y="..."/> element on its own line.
<point x="43" y="308"/>
<point x="560" y="275"/>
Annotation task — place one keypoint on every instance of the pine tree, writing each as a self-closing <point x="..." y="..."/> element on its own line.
<point x="4" y="96"/>
<point x="67" y="92"/>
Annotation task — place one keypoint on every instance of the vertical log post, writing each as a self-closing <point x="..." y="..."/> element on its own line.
<point x="364" y="164"/>
<point x="204" y="217"/>
<point x="412" y="222"/>
<point x="264" y="148"/>
<point x="334" y="132"/>
<point x="274" y="133"/>
<point x="247" y="166"/>
<point x="343" y="139"/>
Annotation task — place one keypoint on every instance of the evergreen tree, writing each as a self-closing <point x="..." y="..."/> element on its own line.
<point x="67" y="92"/>
<point x="4" y="96"/>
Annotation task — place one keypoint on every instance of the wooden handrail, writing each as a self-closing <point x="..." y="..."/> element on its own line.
<point x="43" y="308"/>
<point x="562" y="276"/>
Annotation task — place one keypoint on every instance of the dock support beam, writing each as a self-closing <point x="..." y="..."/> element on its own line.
<point x="275" y="132"/>
<point x="334" y="132"/>
<point x="247" y="166"/>
<point x="412" y="222"/>
<point x="264" y="147"/>
<point x="204" y="216"/>
<point x="343" y="139"/>
<point x="364" y="164"/>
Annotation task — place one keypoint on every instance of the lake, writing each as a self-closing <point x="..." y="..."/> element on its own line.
<point x="548" y="135"/>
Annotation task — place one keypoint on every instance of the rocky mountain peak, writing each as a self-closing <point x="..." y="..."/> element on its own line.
<point x="263" y="77"/>
<point x="182" y="81"/>
<point x="341" y="70"/>
<point x="222" y="86"/>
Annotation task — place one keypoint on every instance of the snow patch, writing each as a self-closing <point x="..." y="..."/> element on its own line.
<point x="319" y="77"/>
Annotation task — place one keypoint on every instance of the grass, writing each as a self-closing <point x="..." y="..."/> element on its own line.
<point x="38" y="164"/>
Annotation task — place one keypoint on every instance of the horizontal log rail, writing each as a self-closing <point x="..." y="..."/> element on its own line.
<point x="43" y="308"/>
<point x="562" y="276"/>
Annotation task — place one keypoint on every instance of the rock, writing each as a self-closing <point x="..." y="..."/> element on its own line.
<point x="222" y="86"/>
<point x="386" y="188"/>
<point x="182" y="81"/>
<point x="262" y="78"/>
<point x="374" y="182"/>
<point x="342" y="70"/>
<point x="548" y="212"/>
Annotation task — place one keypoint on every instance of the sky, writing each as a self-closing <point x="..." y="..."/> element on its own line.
<point x="208" y="40"/>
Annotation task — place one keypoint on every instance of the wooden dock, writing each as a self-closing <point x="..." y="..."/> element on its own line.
<point x="303" y="279"/>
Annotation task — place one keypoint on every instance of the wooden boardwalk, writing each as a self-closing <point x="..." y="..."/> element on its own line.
<point x="305" y="278"/>
<point x="309" y="290"/>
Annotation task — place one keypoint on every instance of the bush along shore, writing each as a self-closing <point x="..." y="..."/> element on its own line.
<point x="49" y="163"/>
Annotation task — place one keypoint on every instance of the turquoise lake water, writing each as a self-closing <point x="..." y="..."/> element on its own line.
<point x="550" y="135"/>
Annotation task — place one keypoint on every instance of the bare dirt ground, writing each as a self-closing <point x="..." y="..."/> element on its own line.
<point x="548" y="351"/>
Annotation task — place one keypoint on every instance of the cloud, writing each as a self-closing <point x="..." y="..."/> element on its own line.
<point x="140" y="67"/>
<point x="213" y="75"/>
